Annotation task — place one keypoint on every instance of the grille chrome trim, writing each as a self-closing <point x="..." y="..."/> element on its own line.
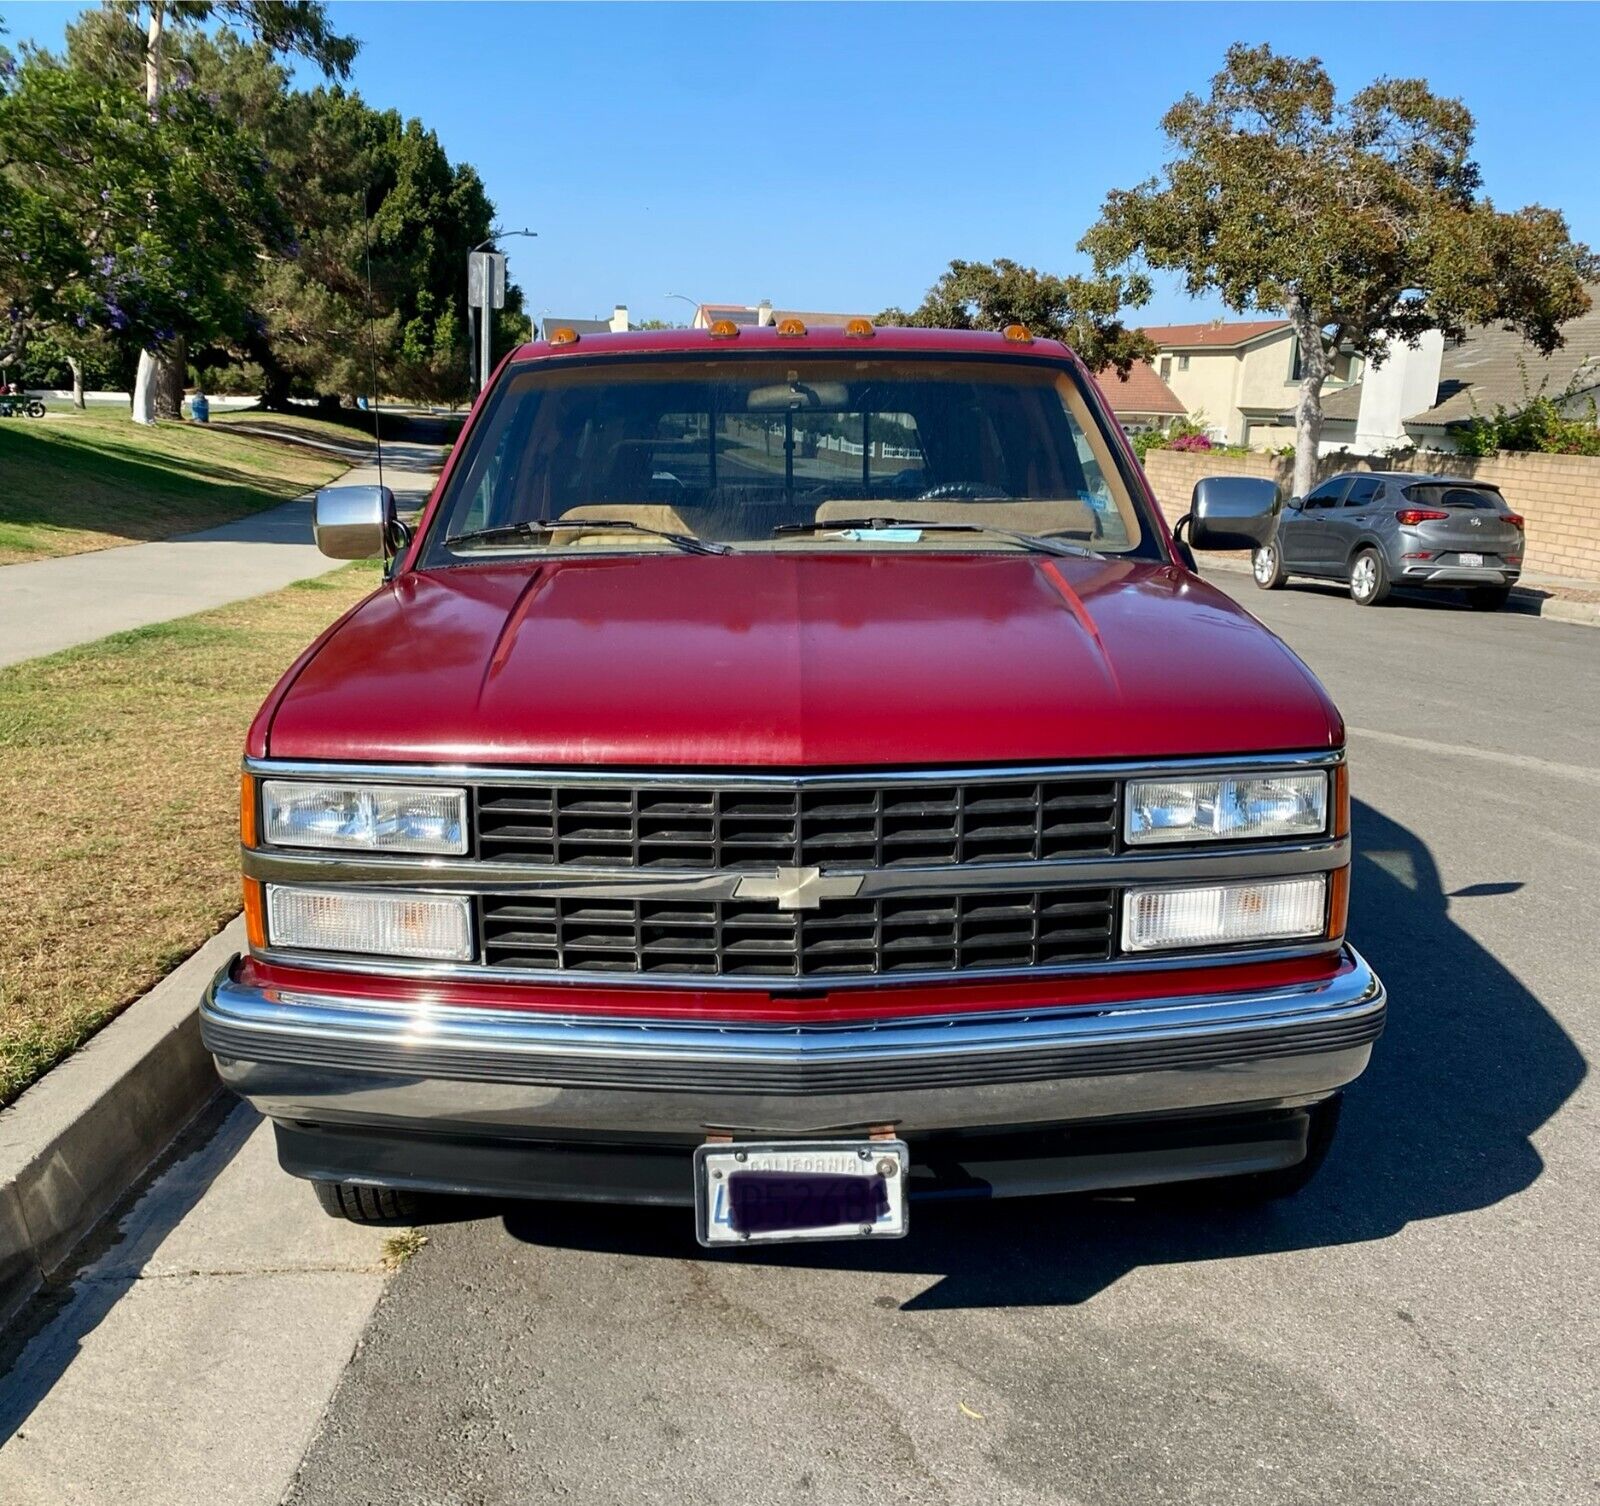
<point x="1263" y="860"/>
<point x="292" y="768"/>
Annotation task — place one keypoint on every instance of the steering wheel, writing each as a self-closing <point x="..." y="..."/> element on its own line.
<point x="962" y="491"/>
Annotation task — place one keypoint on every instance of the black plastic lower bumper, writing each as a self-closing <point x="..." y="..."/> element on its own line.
<point x="1101" y="1156"/>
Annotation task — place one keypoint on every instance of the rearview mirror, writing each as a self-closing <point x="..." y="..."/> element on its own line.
<point x="353" y="522"/>
<point x="1233" y="512"/>
<point x="797" y="395"/>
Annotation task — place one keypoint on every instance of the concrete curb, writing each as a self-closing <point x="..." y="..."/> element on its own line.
<point x="1525" y="602"/>
<point x="78" y="1138"/>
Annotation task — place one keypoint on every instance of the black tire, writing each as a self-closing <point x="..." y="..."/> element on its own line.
<point x="1488" y="598"/>
<point x="367" y="1205"/>
<point x="35" y="409"/>
<point x="1266" y="566"/>
<point x="1369" y="578"/>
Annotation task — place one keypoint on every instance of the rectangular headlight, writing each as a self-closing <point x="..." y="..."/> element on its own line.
<point x="1155" y="920"/>
<point x="435" y="926"/>
<point x="1226" y="808"/>
<point x="364" y="817"/>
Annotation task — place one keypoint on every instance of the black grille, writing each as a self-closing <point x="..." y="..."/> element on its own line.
<point x="867" y="826"/>
<point x="951" y="933"/>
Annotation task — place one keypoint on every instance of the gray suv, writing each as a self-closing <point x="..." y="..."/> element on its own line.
<point x="1379" y="529"/>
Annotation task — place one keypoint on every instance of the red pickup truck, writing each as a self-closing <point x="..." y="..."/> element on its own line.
<point x="787" y="773"/>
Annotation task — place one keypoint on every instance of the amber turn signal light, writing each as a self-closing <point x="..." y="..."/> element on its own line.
<point x="791" y="328"/>
<point x="248" y="833"/>
<point x="723" y="329"/>
<point x="564" y="336"/>
<point x="1018" y="333"/>
<point x="255" y="914"/>
<point x="860" y="329"/>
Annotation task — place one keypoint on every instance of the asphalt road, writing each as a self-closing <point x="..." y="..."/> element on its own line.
<point x="1419" y="1326"/>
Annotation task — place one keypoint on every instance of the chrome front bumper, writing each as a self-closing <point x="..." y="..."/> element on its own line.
<point x="323" y="1059"/>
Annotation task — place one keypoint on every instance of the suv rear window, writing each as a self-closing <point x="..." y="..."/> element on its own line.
<point x="737" y="450"/>
<point x="1441" y="494"/>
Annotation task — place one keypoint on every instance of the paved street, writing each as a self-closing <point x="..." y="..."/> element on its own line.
<point x="49" y="605"/>
<point x="1419" y="1326"/>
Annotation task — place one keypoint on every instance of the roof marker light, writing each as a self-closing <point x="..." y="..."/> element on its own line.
<point x="791" y="329"/>
<point x="564" y="336"/>
<point x="723" y="329"/>
<point x="1019" y="333"/>
<point x="860" y="329"/>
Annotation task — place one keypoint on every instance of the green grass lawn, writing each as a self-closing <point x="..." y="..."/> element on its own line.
<point x="72" y="482"/>
<point x="119" y="852"/>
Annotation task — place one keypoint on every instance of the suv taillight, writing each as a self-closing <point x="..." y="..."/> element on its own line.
<point x="1513" y="518"/>
<point x="1411" y="515"/>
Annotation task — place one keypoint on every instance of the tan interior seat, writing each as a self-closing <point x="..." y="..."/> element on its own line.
<point x="647" y="514"/>
<point x="1020" y="517"/>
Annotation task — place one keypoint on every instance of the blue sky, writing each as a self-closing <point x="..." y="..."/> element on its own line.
<point x="838" y="156"/>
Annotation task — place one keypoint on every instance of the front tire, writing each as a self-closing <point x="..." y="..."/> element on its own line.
<point x="1266" y="565"/>
<point x="367" y="1205"/>
<point x="1369" y="579"/>
<point x="1488" y="598"/>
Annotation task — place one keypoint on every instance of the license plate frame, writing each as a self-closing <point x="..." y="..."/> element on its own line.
<point x="1469" y="561"/>
<point x="717" y="1162"/>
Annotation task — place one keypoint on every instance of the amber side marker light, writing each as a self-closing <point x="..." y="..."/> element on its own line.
<point x="791" y="329"/>
<point x="1018" y="333"/>
<point x="255" y="911"/>
<point x="723" y="329"/>
<point x="564" y="336"/>
<point x="860" y="329"/>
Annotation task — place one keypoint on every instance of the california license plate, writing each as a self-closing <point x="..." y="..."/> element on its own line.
<point x="765" y="1193"/>
<point x="1471" y="560"/>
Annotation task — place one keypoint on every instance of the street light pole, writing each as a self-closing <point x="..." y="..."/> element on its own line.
<point x="482" y="285"/>
<point x="693" y="303"/>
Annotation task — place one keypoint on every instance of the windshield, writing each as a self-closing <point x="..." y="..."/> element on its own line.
<point x="787" y="453"/>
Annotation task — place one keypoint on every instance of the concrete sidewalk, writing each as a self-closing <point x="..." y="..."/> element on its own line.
<point x="189" y="1364"/>
<point x="49" y="605"/>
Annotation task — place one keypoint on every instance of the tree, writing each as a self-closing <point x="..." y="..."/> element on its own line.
<point x="298" y="27"/>
<point x="1082" y="311"/>
<point x="1360" y="221"/>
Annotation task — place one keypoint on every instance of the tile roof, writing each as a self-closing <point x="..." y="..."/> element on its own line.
<point x="1216" y="335"/>
<point x="1492" y="366"/>
<point x="1141" y="391"/>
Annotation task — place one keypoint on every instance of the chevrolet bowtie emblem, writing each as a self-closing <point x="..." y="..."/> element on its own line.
<point x="798" y="888"/>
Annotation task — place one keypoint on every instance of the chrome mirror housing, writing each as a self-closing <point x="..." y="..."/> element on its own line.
<point x="1233" y="512"/>
<point x="353" y="522"/>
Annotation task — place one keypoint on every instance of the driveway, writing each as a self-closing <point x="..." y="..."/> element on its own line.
<point x="49" y="605"/>
<point x="1418" y="1326"/>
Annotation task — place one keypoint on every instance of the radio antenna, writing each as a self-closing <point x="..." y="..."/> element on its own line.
<point x="372" y="331"/>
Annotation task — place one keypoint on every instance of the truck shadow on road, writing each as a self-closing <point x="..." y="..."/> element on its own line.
<point x="1471" y="1065"/>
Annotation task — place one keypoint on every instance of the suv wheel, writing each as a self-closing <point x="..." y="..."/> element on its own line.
<point x="1488" y="598"/>
<point x="1266" y="564"/>
<point x="1369" y="579"/>
<point x="367" y="1205"/>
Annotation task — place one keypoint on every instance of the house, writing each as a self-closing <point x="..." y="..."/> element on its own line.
<point x="749" y="315"/>
<point x="1239" y="377"/>
<point x="1140" y="400"/>
<point x="617" y="324"/>
<point x="1423" y="396"/>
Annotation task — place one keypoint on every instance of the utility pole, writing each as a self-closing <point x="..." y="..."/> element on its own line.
<point x="486" y="292"/>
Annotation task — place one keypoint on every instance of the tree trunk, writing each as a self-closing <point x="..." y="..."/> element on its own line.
<point x="1308" y="405"/>
<point x="76" y="369"/>
<point x="172" y="370"/>
<point x="146" y="381"/>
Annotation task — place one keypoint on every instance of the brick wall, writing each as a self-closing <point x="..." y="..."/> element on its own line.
<point x="1559" y="495"/>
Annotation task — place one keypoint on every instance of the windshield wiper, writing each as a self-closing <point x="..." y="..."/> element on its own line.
<point x="1040" y="542"/>
<point x="535" y="526"/>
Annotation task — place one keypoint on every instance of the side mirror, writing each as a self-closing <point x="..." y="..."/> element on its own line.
<point x="353" y="522"/>
<point x="1233" y="512"/>
<point x="1294" y="504"/>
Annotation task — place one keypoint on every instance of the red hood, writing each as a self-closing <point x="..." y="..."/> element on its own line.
<point x="786" y="660"/>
